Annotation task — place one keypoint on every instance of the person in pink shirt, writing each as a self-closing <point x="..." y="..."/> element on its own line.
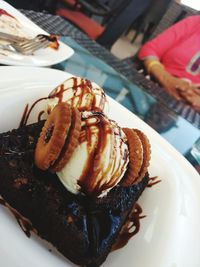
<point x="173" y="59"/>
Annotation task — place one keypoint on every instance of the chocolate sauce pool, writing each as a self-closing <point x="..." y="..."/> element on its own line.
<point x="132" y="225"/>
<point x="130" y="228"/>
<point x="24" y="223"/>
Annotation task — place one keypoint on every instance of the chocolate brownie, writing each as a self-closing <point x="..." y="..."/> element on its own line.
<point x="81" y="228"/>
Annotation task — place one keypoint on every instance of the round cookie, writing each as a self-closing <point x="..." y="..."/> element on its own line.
<point x="146" y="154"/>
<point x="53" y="136"/>
<point x="70" y="143"/>
<point x="135" y="157"/>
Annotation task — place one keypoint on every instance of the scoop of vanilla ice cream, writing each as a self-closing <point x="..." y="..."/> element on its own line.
<point x="79" y="93"/>
<point x="100" y="160"/>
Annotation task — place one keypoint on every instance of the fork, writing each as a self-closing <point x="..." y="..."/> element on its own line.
<point x="27" y="47"/>
<point x="11" y="37"/>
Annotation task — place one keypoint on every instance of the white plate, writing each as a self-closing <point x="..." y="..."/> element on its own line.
<point x="42" y="57"/>
<point x="169" y="235"/>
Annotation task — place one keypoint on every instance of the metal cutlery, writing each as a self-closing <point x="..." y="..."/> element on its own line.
<point x="11" y="38"/>
<point x="28" y="46"/>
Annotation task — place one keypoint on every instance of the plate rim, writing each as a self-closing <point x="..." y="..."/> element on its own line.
<point x="30" y="24"/>
<point x="143" y="125"/>
<point x="154" y="137"/>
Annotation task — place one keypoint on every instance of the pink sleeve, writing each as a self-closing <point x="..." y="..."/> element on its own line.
<point x="169" y="38"/>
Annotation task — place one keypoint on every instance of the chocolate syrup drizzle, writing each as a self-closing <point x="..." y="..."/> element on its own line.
<point x="132" y="225"/>
<point x="24" y="115"/>
<point x="153" y="181"/>
<point x="101" y="123"/>
<point x="92" y="170"/>
<point x="24" y="223"/>
<point x="130" y="228"/>
<point x="27" y="112"/>
<point x="86" y="88"/>
<point x="98" y="124"/>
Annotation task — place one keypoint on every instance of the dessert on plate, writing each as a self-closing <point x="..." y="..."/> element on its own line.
<point x="11" y="25"/>
<point x="74" y="178"/>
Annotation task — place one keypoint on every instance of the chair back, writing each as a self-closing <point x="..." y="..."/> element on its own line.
<point x="174" y="13"/>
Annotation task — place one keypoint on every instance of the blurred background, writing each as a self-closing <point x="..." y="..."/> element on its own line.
<point x="122" y="26"/>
